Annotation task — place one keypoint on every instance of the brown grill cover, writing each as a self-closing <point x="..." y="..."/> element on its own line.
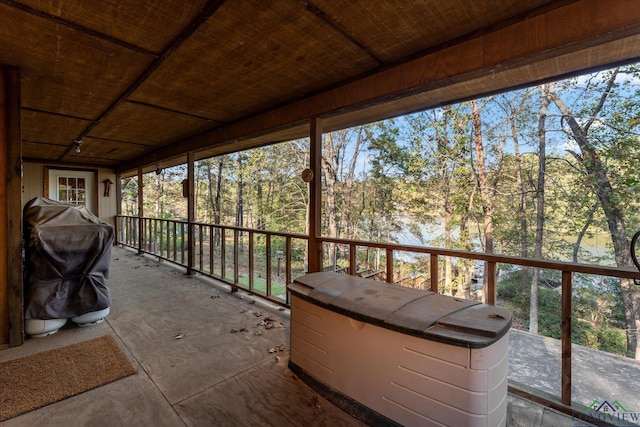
<point x="68" y="250"/>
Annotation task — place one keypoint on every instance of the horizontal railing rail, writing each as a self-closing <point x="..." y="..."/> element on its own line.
<point x="228" y="254"/>
<point x="225" y="253"/>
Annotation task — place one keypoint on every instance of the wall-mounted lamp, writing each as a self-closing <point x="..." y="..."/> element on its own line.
<point x="158" y="170"/>
<point x="76" y="145"/>
<point x="107" y="187"/>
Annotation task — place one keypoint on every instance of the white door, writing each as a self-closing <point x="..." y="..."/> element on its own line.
<point x="71" y="186"/>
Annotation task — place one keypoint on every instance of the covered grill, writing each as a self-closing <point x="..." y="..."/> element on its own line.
<point x="68" y="251"/>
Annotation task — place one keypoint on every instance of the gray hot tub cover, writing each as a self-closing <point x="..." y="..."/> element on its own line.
<point x="68" y="250"/>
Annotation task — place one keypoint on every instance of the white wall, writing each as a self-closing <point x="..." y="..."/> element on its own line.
<point x="33" y="186"/>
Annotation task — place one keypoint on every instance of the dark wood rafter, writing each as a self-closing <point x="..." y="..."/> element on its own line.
<point x="323" y="16"/>
<point x="182" y="113"/>
<point x="467" y="61"/>
<point x="68" y="116"/>
<point x="208" y="10"/>
<point x="141" y="144"/>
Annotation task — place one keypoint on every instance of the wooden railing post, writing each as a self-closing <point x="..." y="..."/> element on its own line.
<point x="433" y="270"/>
<point x="288" y="265"/>
<point x="268" y="254"/>
<point x="211" y="248"/>
<point x="223" y="253"/>
<point x="251" y="260"/>
<point x="236" y="255"/>
<point x="491" y="283"/>
<point x="389" y="265"/>
<point x="352" y="259"/>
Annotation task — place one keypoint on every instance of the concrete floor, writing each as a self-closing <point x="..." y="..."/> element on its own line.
<point x="202" y="357"/>
<point x="211" y="376"/>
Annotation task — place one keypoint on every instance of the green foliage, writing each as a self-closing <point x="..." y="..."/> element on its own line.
<point x="595" y="314"/>
<point x="413" y="180"/>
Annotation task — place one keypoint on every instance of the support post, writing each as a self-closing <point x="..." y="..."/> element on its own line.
<point x="11" y="284"/>
<point x="140" y="212"/>
<point x="567" y="279"/>
<point x="315" y="196"/>
<point x="118" y="225"/>
<point x="191" y="213"/>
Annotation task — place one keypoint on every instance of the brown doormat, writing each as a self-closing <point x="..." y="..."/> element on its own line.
<point x="44" y="378"/>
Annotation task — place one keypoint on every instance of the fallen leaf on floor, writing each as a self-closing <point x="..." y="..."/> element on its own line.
<point x="496" y="316"/>
<point x="258" y="313"/>
<point x="315" y="401"/>
<point x="257" y="333"/>
<point x="278" y="348"/>
<point x="178" y="336"/>
<point x="277" y="359"/>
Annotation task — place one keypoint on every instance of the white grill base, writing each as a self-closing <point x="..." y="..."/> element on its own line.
<point x="410" y="380"/>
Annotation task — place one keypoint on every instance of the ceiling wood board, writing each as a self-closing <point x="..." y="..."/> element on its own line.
<point x="42" y="151"/>
<point x="412" y="26"/>
<point x="109" y="149"/>
<point x="148" y="25"/>
<point x="51" y="128"/>
<point x="64" y="70"/>
<point x="466" y="61"/>
<point x="225" y="74"/>
<point x="147" y="125"/>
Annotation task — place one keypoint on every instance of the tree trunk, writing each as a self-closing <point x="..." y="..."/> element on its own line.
<point x="522" y="204"/>
<point x="537" y="252"/>
<point x="598" y="179"/>
<point x="487" y="205"/>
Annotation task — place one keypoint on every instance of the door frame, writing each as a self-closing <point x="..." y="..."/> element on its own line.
<point x="94" y="187"/>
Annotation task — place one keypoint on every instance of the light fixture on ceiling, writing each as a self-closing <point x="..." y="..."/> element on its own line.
<point x="76" y="145"/>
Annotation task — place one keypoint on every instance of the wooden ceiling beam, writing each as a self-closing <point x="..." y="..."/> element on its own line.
<point x="571" y="28"/>
<point x="210" y="8"/>
<point x="323" y="16"/>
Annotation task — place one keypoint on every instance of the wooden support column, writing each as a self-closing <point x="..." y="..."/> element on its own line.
<point x="118" y="225"/>
<point x="567" y="282"/>
<point x="11" y="285"/>
<point x="191" y="213"/>
<point x="315" y="195"/>
<point x="140" y="212"/>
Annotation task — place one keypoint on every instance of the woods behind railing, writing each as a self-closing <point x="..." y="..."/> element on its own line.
<point x="229" y="253"/>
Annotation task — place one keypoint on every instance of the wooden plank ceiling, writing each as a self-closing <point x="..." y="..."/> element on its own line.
<point x="140" y="82"/>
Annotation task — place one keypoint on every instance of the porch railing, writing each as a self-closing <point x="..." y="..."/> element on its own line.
<point x="263" y="262"/>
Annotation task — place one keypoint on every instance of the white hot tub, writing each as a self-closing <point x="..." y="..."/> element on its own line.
<point x="389" y="354"/>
